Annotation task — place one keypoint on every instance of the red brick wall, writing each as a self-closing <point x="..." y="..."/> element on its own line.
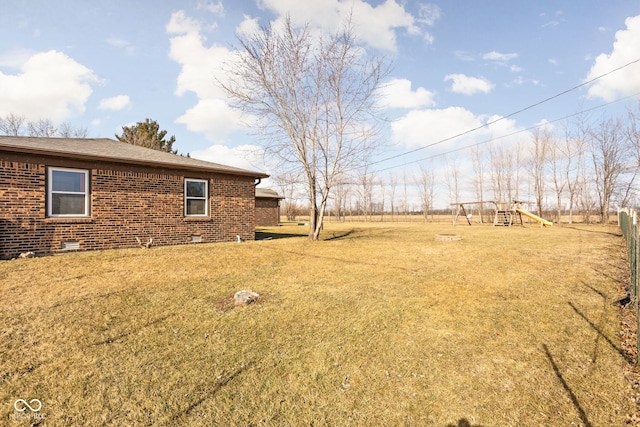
<point x="267" y="212"/>
<point x="126" y="202"/>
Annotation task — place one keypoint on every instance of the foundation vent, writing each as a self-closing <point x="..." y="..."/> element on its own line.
<point x="70" y="245"/>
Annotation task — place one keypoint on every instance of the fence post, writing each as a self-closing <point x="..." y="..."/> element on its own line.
<point x="634" y="253"/>
<point x="633" y="250"/>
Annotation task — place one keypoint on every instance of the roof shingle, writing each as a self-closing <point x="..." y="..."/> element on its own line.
<point x="106" y="149"/>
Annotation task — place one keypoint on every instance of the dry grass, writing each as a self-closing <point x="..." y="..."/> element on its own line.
<point x="378" y="324"/>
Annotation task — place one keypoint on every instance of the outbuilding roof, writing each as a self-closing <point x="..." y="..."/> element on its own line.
<point x="105" y="149"/>
<point x="267" y="193"/>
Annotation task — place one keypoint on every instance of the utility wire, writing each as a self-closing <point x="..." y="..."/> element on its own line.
<point x="504" y="117"/>
<point x="508" y="135"/>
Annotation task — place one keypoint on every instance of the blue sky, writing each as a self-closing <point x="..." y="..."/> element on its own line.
<point x="104" y="64"/>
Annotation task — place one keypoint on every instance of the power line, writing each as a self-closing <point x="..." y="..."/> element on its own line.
<point x="504" y="117"/>
<point x="509" y="134"/>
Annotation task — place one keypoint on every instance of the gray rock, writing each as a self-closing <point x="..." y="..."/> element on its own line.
<point x="27" y="255"/>
<point x="244" y="297"/>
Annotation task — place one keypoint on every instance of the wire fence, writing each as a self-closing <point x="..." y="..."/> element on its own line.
<point x="628" y="221"/>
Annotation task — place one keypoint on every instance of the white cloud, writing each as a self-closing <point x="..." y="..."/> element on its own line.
<point x="397" y="93"/>
<point x="423" y="127"/>
<point x="15" y="58"/>
<point x="115" y="103"/>
<point x="463" y="55"/>
<point x="202" y="63"/>
<point x="468" y="85"/>
<point x="248" y="26"/>
<point x="50" y="85"/>
<point x="420" y="128"/>
<point x="123" y="44"/>
<point x="622" y="82"/>
<point x="210" y="6"/>
<point x="180" y="23"/>
<point x="499" y="57"/>
<point x="375" y="26"/>
<point x="213" y="118"/>
<point x="200" y="67"/>
<point x="429" y="13"/>
<point x="243" y="156"/>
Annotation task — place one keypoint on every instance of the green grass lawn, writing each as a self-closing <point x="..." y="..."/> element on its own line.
<point x="374" y="325"/>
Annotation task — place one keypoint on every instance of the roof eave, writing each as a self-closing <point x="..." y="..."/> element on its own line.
<point x="157" y="164"/>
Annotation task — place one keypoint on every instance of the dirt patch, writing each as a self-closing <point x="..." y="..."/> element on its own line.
<point x="448" y="237"/>
<point x="227" y="303"/>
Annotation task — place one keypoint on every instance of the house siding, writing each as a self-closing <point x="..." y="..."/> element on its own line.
<point x="126" y="201"/>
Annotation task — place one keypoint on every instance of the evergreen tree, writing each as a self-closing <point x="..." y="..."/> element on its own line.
<point x="147" y="134"/>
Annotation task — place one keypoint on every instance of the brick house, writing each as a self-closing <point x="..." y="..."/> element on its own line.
<point x="62" y="194"/>
<point x="267" y="207"/>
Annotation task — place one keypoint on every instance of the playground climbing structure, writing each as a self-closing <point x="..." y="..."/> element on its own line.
<point x="505" y="214"/>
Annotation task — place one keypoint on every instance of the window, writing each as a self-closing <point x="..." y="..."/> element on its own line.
<point x="195" y="197"/>
<point x="67" y="192"/>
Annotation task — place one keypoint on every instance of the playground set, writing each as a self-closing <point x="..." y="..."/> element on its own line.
<point x="505" y="213"/>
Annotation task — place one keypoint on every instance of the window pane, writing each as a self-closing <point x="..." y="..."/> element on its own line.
<point x="196" y="207"/>
<point x="196" y="189"/>
<point x="68" y="181"/>
<point x="67" y="204"/>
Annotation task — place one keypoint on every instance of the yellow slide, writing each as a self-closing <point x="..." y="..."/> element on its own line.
<point x="534" y="217"/>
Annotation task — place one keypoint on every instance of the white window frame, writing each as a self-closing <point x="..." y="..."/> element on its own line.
<point x="86" y="193"/>
<point x="205" y="198"/>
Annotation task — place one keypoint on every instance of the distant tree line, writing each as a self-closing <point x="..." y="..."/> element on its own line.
<point x="581" y="167"/>
<point x="17" y="125"/>
<point x="144" y="134"/>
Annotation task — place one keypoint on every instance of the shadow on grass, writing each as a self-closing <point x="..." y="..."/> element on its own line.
<point x="572" y="396"/>
<point x="273" y="235"/>
<point x="337" y="236"/>
<point x="344" y="260"/>
<point x="126" y="334"/>
<point x="573" y="227"/>
<point x="597" y="291"/>
<point x="180" y="415"/>
<point x="463" y="422"/>
<point x="595" y="327"/>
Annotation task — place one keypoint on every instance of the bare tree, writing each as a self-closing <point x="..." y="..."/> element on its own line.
<point x="404" y="202"/>
<point x="67" y="131"/>
<point x="365" y="192"/>
<point x="425" y="182"/>
<point x="479" y="177"/>
<point x="453" y="181"/>
<point x="585" y="195"/>
<point x="288" y="183"/>
<point x="314" y="99"/>
<point x="42" y="128"/>
<point x="393" y="183"/>
<point x="609" y="153"/>
<point x="502" y="172"/>
<point x="12" y="125"/>
<point x="574" y="153"/>
<point x="383" y="198"/>
<point x="633" y="138"/>
<point x="539" y="153"/>
<point x="340" y="192"/>
<point x="558" y="160"/>
<point x="518" y="166"/>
